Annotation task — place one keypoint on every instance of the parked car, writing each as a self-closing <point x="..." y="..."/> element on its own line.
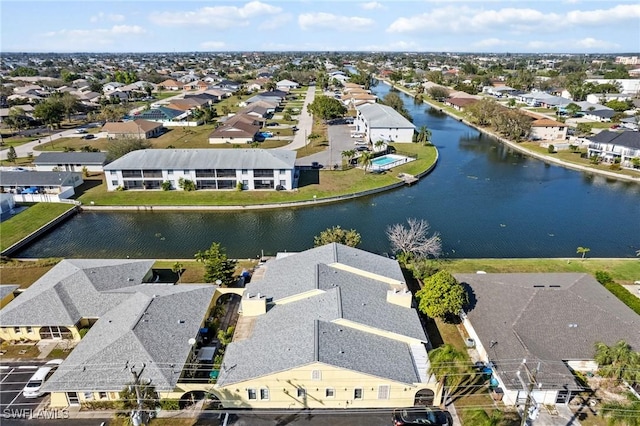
<point x="81" y="130"/>
<point x="421" y="416"/>
<point x="360" y="142"/>
<point x="88" y="136"/>
<point x="362" y="148"/>
<point x="32" y="388"/>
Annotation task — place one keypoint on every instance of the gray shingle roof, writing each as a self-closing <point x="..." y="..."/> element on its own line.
<point x="551" y="317"/>
<point x="382" y="116"/>
<point x="281" y="281"/>
<point x="36" y="178"/>
<point x="55" y="158"/>
<point x="190" y="159"/>
<point x="627" y="138"/>
<point x="72" y="290"/>
<point x="304" y="329"/>
<point x="151" y="325"/>
<point x="7" y="289"/>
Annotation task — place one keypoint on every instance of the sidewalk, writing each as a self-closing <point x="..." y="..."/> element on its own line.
<point x="305" y="123"/>
<point x="25" y="149"/>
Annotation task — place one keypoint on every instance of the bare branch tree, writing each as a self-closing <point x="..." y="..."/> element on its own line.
<point x="414" y="239"/>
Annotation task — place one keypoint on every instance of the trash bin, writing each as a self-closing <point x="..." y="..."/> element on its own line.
<point x="497" y="394"/>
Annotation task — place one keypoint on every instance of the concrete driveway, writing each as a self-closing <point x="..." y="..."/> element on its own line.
<point x="339" y="140"/>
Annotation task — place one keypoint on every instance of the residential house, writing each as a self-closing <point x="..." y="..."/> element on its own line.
<point x="460" y="103"/>
<point x="286" y="85"/>
<point x="553" y="319"/>
<point x="603" y="98"/>
<point x="227" y="84"/>
<point x="39" y="186"/>
<point x="110" y="87"/>
<point x="140" y="129"/>
<point x="132" y="322"/>
<point x="548" y="130"/>
<point x="170" y="84"/>
<point x="163" y="114"/>
<point x="7" y="203"/>
<point x="196" y="85"/>
<point x="214" y="169"/>
<point x="70" y="161"/>
<point x="628" y="86"/>
<point x="615" y="146"/>
<point x="381" y="122"/>
<point x="346" y="331"/>
<point x="27" y="108"/>
<point x="240" y="128"/>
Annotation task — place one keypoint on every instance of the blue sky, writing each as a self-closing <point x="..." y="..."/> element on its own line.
<point x="574" y="26"/>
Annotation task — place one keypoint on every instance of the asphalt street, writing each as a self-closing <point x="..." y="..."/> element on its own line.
<point x="13" y="377"/>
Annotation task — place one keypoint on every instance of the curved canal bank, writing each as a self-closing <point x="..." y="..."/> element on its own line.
<point x="485" y="199"/>
<point x="519" y="148"/>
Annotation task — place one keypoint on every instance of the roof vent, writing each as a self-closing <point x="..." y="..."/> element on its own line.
<point x="180" y="321"/>
<point x="538" y="286"/>
<point x="573" y="325"/>
<point x="129" y="279"/>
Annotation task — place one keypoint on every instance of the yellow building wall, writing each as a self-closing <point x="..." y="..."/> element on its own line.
<point x="58" y="400"/>
<point x="283" y="390"/>
<point x="9" y="333"/>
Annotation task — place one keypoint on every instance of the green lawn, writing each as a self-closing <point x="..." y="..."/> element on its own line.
<point x="321" y="184"/>
<point x="622" y="270"/>
<point x="26" y="222"/>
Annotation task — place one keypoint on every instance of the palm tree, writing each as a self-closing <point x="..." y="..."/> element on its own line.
<point x="583" y="251"/>
<point x="348" y="155"/>
<point x="618" y="413"/>
<point x="449" y="366"/>
<point x="424" y="135"/>
<point x="365" y="160"/>
<point x="618" y="362"/>
<point x="177" y="269"/>
<point x="379" y="144"/>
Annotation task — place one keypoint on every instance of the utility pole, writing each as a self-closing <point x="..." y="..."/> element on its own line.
<point x="528" y="387"/>
<point x="138" y="416"/>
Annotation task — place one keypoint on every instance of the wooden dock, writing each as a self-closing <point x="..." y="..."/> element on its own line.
<point x="407" y="178"/>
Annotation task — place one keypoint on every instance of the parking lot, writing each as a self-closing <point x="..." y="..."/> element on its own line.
<point x="339" y="140"/>
<point x="13" y="378"/>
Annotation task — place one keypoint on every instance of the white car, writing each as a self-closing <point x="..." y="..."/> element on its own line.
<point x="32" y="389"/>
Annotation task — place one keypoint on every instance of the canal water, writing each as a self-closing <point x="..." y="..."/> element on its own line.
<point x="482" y="198"/>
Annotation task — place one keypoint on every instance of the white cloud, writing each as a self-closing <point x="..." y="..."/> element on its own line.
<point x="602" y="16"/>
<point x="218" y="16"/>
<point x="592" y="43"/>
<point x="212" y="45"/>
<point x="76" y="39"/>
<point x="275" y="22"/>
<point x="322" y="20"/>
<point x="102" y="17"/>
<point x="464" y="19"/>
<point x="372" y="5"/>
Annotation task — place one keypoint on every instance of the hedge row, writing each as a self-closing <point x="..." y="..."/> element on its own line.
<point x="618" y="291"/>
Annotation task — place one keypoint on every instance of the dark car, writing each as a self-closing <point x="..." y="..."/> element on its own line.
<point x="421" y="416"/>
<point x="88" y="136"/>
<point x="362" y="148"/>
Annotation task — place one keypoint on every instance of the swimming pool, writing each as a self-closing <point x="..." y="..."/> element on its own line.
<point x="388" y="161"/>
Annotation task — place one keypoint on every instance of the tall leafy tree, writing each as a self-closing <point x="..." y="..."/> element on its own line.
<point x="450" y="367"/>
<point x="624" y="414"/>
<point x="327" y="108"/>
<point x="336" y="234"/>
<point x="366" y="159"/>
<point x="11" y="155"/>
<point x="120" y="147"/>
<point x="217" y="266"/>
<point x="442" y="296"/>
<point x="50" y="111"/>
<point x="423" y="137"/>
<point x="394" y="100"/>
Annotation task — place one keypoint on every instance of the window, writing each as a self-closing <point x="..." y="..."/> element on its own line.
<point x="114" y="183"/>
<point x="302" y="392"/>
<point x="16" y="330"/>
<point x="283" y="171"/>
<point x="113" y="173"/>
<point x="186" y="172"/>
<point x="330" y="393"/>
<point x="29" y="329"/>
<point x="88" y="396"/>
<point x="244" y="171"/>
<point x="102" y="395"/>
<point x="264" y="394"/>
<point x="251" y="393"/>
<point x="170" y="172"/>
<point x="357" y="393"/>
<point x="131" y="173"/>
<point x="383" y="392"/>
<point x="316" y="375"/>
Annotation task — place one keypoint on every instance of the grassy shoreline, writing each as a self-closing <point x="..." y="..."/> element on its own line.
<point x="24" y="223"/>
<point x="319" y="184"/>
